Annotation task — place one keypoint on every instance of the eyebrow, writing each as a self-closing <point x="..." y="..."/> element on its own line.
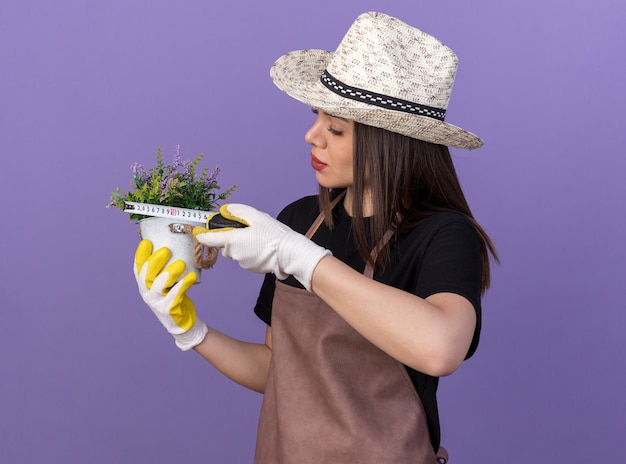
<point x="337" y="117"/>
<point x="332" y="115"/>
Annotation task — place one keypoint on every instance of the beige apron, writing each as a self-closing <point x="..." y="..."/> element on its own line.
<point x="332" y="396"/>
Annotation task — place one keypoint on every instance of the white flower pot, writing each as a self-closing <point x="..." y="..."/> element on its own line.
<point x="157" y="230"/>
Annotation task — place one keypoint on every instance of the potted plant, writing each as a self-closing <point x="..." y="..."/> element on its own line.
<point x="177" y="185"/>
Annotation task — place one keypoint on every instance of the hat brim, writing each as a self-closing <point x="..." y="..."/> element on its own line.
<point x="298" y="74"/>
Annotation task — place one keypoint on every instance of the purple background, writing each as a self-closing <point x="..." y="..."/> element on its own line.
<point x="87" y="374"/>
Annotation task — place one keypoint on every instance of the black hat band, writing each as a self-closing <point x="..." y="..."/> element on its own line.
<point x="383" y="101"/>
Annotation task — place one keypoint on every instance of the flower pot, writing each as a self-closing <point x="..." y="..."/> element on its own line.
<point x="157" y="230"/>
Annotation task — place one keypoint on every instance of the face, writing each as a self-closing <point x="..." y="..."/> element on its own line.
<point x="331" y="141"/>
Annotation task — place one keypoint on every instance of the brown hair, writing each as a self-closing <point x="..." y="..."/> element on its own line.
<point x="409" y="180"/>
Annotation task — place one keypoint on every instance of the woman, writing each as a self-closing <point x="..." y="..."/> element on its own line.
<point x="372" y="288"/>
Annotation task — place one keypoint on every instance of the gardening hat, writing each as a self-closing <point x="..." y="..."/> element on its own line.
<point x="385" y="74"/>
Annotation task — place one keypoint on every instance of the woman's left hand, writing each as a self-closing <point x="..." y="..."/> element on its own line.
<point x="166" y="296"/>
<point x="266" y="245"/>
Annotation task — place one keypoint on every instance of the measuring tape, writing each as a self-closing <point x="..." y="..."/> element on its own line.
<point x="210" y="219"/>
<point x="173" y="212"/>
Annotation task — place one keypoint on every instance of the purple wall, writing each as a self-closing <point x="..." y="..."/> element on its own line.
<point x="87" y="374"/>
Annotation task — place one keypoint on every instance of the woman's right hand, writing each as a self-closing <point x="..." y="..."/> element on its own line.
<point x="167" y="298"/>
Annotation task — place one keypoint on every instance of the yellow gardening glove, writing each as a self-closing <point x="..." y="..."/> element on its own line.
<point x="167" y="298"/>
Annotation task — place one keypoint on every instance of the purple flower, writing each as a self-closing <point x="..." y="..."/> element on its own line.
<point x="165" y="188"/>
<point x="137" y="169"/>
<point x="140" y="175"/>
<point x="212" y="178"/>
<point x="176" y="157"/>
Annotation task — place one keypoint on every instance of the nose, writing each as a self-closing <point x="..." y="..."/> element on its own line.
<point x="314" y="135"/>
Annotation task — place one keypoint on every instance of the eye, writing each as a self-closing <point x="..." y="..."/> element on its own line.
<point x="330" y="127"/>
<point x="334" y="131"/>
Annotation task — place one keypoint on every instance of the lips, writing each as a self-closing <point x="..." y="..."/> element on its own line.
<point x="316" y="163"/>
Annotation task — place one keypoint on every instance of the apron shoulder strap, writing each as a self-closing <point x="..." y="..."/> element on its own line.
<point x="320" y="218"/>
<point x="369" y="269"/>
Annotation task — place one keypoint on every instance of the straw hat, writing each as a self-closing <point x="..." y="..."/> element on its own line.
<point x="384" y="73"/>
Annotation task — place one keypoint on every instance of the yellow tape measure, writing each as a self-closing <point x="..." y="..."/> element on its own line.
<point x="171" y="212"/>
<point x="210" y="219"/>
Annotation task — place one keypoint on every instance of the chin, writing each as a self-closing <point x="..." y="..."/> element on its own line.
<point x="329" y="184"/>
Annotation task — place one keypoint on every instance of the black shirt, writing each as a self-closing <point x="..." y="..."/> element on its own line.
<point x="441" y="254"/>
